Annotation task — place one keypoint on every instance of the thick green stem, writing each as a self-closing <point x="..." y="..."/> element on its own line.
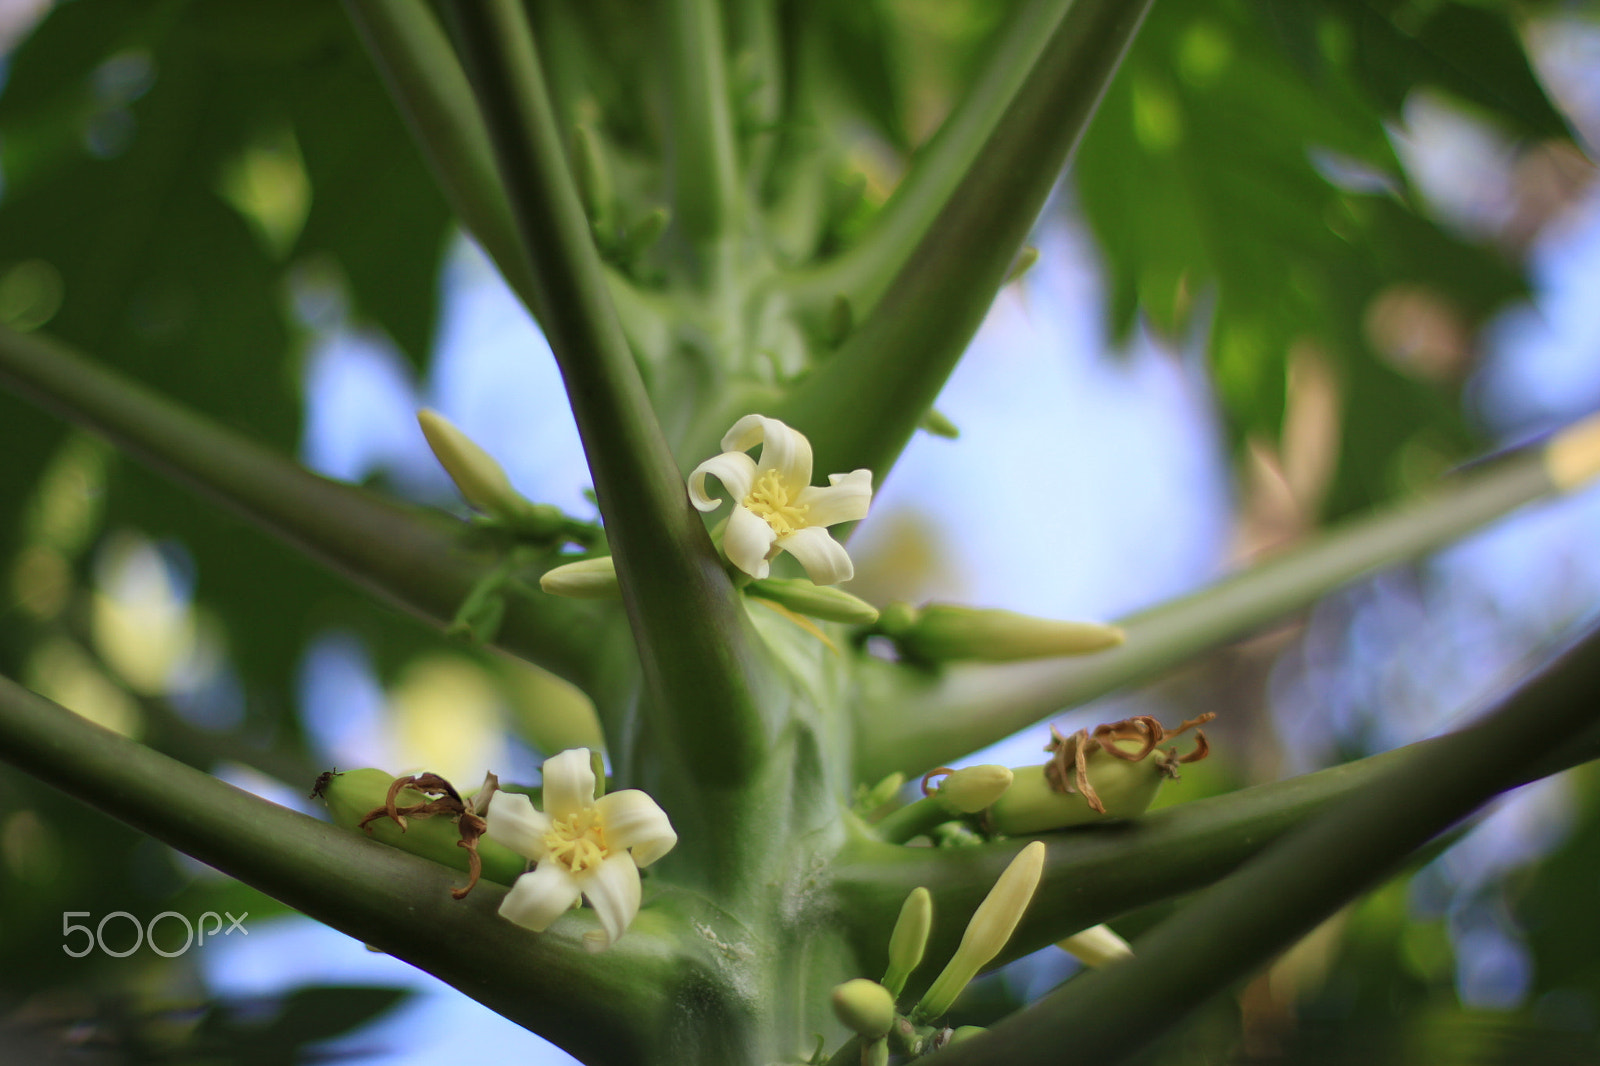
<point x="862" y="405"/>
<point x="701" y="675"/>
<point x="705" y="167"/>
<point x="941" y="718"/>
<point x="605" y="1009"/>
<point x="1110" y="1014"/>
<point x="418" y="560"/>
<point x="861" y="273"/>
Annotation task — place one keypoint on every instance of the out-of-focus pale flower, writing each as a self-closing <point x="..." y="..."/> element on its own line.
<point x="583" y="847"/>
<point x="776" y="508"/>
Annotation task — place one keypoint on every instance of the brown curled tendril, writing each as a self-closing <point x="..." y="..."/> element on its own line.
<point x="446" y="801"/>
<point x="943" y="771"/>
<point x="1068" y="769"/>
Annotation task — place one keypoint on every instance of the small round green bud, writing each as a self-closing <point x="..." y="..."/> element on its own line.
<point x="865" y="1007"/>
<point x="896" y="617"/>
<point x="966" y="1032"/>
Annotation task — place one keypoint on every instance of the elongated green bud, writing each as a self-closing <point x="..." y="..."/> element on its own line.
<point x="936" y="423"/>
<point x="586" y="579"/>
<point x="943" y="632"/>
<point x="992" y="925"/>
<point x="1022" y="263"/>
<point x="593" y="178"/>
<point x="354" y="794"/>
<point x="1096" y="947"/>
<point x="1032" y="805"/>
<point x="966" y="1032"/>
<point x="818" y="601"/>
<point x="481" y="480"/>
<point x="644" y="233"/>
<point x="865" y="1007"/>
<point x="909" y="939"/>
<point x="972" y="788"/>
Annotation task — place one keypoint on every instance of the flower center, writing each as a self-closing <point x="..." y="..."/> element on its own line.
<point x="769" y="501"/>
<point x="577" y="841"/>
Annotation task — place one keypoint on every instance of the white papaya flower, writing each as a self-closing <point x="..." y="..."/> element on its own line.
<point x="583" y="847"/>
<point x="776" y="508"/>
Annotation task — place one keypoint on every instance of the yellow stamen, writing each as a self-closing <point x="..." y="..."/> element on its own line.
<point x="577" y="841"/>
<point x="769" y="500"/>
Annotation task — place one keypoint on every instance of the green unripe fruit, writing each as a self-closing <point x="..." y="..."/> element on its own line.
<point x="354" y="794"/>
<point x="1032" y="805"/>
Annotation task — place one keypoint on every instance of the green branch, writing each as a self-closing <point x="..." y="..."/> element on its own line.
<point x="701" y="675"/>
<point x="1109" y="1014"/>
<point x="424" y="77"/>
<point x="606" y="1008"/>
<point x="1094" y="873"/>
<point x="862" y="405"/>
<point x="417" y="560"/>
<point x="861" y="273"/>
<point x="939" y="718"/>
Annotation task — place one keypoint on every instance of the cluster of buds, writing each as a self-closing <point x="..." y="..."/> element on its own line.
<point x="869" y="1008"/>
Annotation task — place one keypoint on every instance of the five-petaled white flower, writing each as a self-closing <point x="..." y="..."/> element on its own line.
<point x="776" y="508"/>
<point x="583" y="846"/>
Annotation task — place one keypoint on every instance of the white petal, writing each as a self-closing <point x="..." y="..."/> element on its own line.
<point x="612" y="889"/>
<point x="634" y="820"/>
<point x="824" y="558"/>
<point x="514" y="823"/>
<point x="736" y="471"/>
<point x="788" y="452"/>
<point x="540" y="897"/>
<point x="568" y="783"/>
<point x="746" y="433"/>
<point x="846" y="499"/>
<point x="747" y="540"/>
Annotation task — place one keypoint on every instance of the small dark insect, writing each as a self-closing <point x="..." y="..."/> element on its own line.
<point x="322" y="782"/>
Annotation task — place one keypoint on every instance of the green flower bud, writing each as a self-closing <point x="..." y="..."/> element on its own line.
<point x="972" y="788"/>
<point x="992" y="925"/>
<point x="586" y="579"/>
<point x="936" y="423"/>
<point x="896" y="618"/>
<point x="943" y="632"/>
<point x="966" y="1032"/>
<point x="1096" y="947"/>
<point x="481" y="481"/>
<point x="909" y="939"/>
<point x="1032" y="804"/>
<point x="354" y="794"/>
<point x="818" y="601"/>
<point x="865" y="1007"/>
<point x="644" y="233"/>
<point x="593" y="178"/>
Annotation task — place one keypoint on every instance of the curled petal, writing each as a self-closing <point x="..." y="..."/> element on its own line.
<point x="540" y="897"/>
<point x="782" y="449"/>
<point x="514" y="823"/>
<point x="736" y="471"/>
<point x="613" y="891"/>
<point x="825" y="560"/>
<point x="747" y="541"/>
<point x="846" y="499"/>
<point x="634" y="820"/>
<point x="568" y="783"/>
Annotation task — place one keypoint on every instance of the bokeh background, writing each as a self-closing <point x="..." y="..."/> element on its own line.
<point x="1295" y="275"/>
